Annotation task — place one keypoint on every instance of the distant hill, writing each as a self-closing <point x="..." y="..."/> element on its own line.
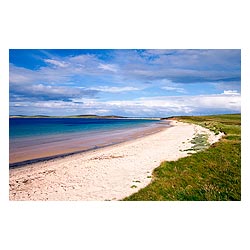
<point x="71" y="116"/>
<point x="29" y="116"/>
<point x="96" y="116"/>
<point x="85" y="116"/>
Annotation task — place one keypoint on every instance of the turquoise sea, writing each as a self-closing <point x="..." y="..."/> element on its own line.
<point x="33" y="127"/>
<point x="39" y="138"/>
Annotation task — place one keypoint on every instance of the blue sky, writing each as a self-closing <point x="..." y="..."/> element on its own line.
<point x="146" y="83"/>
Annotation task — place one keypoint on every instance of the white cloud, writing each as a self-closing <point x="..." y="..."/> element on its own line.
<point x="177" y="89"/>
<point x="66" y="78"/>
<point x="114" y="89"/>
<point x="185" y="104"/>
<point x="56" y="63"/>
<point x="147" y="106"/>
<point x="50" y="90"/>
<point x="158" y="52"/>
<point x="231" y="92"/>
<point x="82" y="59"/>
<point x="45" y="74"/>
<point x="171" y="86"/>
<point x="109" y="67"/>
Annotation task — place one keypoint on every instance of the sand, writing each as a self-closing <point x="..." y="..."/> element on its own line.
<point x="26" y="149"/>
<point x="109" y="173"/>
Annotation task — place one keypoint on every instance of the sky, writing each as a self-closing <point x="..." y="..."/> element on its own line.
<point x="134" y="83"/>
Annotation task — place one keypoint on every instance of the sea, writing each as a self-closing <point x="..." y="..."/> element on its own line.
<point x="39" y="139"/>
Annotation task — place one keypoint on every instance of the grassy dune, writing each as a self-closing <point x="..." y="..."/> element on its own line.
<point x="213" y="174"/>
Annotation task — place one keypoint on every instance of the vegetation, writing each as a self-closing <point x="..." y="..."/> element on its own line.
<point x="200" y="142"/>
<point x="211" y="174"/>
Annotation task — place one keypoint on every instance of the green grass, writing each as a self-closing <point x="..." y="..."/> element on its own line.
<point x="213" y="174"/>
<point x="200" y="142"/>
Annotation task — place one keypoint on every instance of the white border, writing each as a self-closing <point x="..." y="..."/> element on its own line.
<point x="124" y="24"/>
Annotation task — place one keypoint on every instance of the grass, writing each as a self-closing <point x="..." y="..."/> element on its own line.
<point x="213" y="174"/>
<point x="200" y="142"/>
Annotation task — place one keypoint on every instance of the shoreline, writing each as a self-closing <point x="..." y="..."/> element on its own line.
<point x="109" y="173"/>
<point x="74" y="145"/>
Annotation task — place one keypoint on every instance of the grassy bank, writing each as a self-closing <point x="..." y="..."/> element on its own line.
<point x="212" y="174"/>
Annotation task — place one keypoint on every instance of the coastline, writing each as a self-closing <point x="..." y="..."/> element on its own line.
<point x="109" y="173"/>
<point x="23" y="152"/>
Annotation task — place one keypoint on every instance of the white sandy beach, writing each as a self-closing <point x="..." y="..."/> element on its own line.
<point x="110" y="173"/>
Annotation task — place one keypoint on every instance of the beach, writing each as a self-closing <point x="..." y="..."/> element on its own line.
<point x="34" y="139"/>
<point x="108" y="173"/>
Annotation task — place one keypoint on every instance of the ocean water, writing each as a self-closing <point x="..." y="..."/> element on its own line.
<point x="33" y="127"/>
<point x="39" y="138"/>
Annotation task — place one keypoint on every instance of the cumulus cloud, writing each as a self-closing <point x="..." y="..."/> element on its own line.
<point x="77" y="83"/>
<point x="115" y="89"/>
<point x="150" y="106"/>
<point x="181" y="102"/>
<point x="109" y="67"/>
<point x="47" y="92"/>
<point x="56" y="63"/>
<point x="49" y="75"/>
<point x="231" y="92"/>
<point x="179" y="66"/>
<point x="169" y="88"/>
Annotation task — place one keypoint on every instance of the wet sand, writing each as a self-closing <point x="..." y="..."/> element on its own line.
<point x="109" y="173"/>
<point x="26" y="150"/>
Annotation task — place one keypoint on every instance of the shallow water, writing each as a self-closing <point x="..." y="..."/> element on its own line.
<point x="38" y="139"/>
